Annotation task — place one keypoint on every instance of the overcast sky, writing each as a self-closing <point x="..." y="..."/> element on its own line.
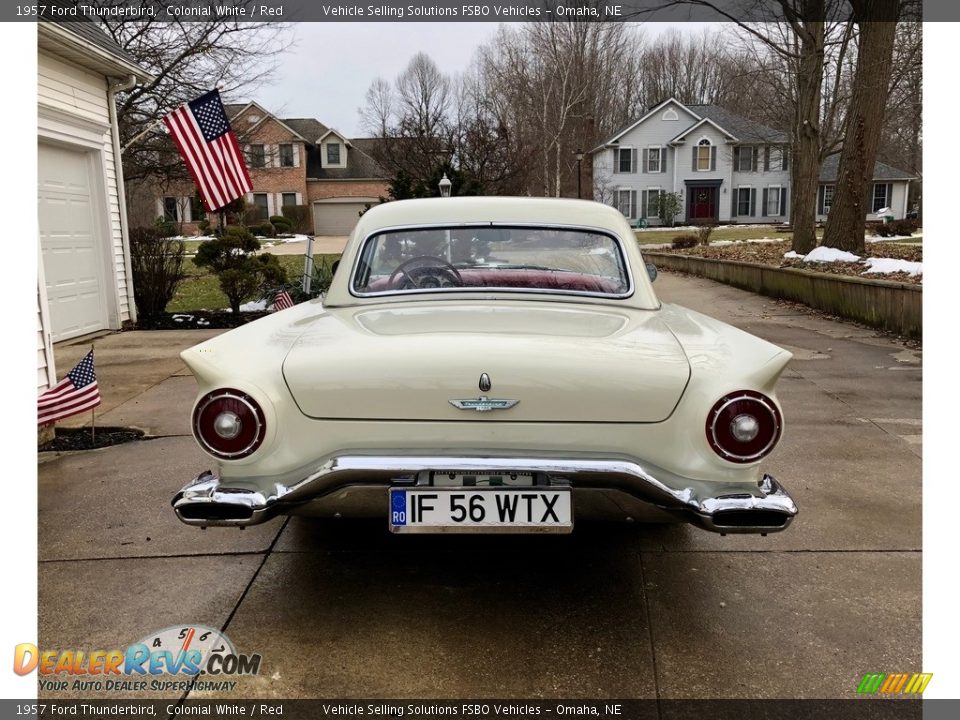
<point x="326" y="74"/>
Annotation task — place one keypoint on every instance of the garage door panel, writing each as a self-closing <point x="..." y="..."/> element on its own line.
<point x="336" y="218"/>
<point x="72" y="249"/>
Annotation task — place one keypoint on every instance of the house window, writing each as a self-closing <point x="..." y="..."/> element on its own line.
<point x="171" y="209"/>
<point x="827" y="198"/>
<point x="703" y="155"/>
<point x="625" y="160"/>
<point x="773" y="200"/>
<point x="880" y="197"/>
<point x="288" y="199"/>
<point x="197" y="213"/>
<point x="776" y="158"/>
<point x="653" y="160"/>
<point x="333" y="153"/>
<point x="653" y="202"/>
<point x="743" y="201"/>
<point x="261" y="206"/>
<point x="255" y="156"/>
<point x="745" y="159"/>
<point x="286" y="156"/>
<point x="624" y="203"/>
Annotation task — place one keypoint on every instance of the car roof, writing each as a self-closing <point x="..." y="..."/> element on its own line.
<point x="497" y="210"/>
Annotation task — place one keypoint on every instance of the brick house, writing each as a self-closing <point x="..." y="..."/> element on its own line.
<point x="292" y="161"/>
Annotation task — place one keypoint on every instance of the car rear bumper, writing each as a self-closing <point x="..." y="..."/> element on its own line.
<point x="763" y="507"/>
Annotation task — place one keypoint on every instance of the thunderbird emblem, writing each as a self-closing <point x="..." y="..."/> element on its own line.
<point x="483" y="404"/>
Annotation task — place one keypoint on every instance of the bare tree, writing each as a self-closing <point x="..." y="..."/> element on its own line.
<point x="187" y="59"/>
<point x="845" y="224"/>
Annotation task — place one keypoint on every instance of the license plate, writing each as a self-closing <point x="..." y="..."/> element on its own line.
<point x="475" y="509"/>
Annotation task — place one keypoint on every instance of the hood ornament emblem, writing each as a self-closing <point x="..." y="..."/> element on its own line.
<point x="483" y="403"/>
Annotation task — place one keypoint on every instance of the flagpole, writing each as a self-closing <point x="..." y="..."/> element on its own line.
<point x="93" y="416"/>
<point x="138" y="136"/>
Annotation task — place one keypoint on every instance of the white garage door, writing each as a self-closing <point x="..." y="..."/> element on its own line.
<point x="337" y="217"/>
<point x="69" y="239"/>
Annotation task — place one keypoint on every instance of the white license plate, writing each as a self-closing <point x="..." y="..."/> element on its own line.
<point x="489" y="509"/>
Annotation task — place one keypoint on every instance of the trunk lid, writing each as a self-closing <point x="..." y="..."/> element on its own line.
<point x="562" y="363"/>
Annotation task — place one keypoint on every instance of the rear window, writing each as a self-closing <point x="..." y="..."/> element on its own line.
<point x="522" y="259"/>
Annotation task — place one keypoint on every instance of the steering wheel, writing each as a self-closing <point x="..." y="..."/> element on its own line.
<point x="433" y="272"/>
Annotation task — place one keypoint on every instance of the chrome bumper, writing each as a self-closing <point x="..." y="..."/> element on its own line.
<point x="718" y="507"/>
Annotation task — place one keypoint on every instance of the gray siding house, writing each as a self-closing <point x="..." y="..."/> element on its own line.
<point x="726" y="168"/>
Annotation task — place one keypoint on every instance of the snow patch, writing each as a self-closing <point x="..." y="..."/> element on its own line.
<point x="886" y="266"/>
<point x="793" y="255"/>
<point x="824" y="254"/>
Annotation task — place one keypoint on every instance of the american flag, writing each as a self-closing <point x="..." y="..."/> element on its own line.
<point x="77" y="392"/>
<point x="282" y="301"/>
<point x="209" y="148"/>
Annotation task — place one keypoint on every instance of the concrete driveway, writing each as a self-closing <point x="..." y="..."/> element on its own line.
<point x="610" y="611"/>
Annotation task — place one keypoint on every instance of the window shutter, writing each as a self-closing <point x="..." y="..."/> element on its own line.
<point x="736" y="158"/>
<point x="646" y="160"/>
<point x="785" y="157"/>
<point x="616" y="165"/>
<point x="633" y="160"/>
<point x="733" y="205"/>
<point x="663" y="158"/>
<point x="766" y="158"/>
<point x="820" y="200"/>
<point x="633" y="204"/>
<point x="753" y="202"/>
<point x="890" y="197"/>
<point x="296" y="154"/>
<point x="763" y="207"/>
<point x="694" y="157"/>
<point x="643" y="204"/>
<point x="713" y="157"/>
<point x="783" y="201"/>
<point x="753" y="158"/>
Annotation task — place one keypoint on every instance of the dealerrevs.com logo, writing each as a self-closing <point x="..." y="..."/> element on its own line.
<point x="894" y="683"/>
<point x="176" y="658"/>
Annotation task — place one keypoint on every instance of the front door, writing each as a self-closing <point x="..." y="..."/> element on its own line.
<point x="703" y="204"/>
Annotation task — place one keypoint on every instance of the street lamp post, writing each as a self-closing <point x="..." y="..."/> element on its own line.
<point x="445" y="186"/>
<point x="579" y="155"/>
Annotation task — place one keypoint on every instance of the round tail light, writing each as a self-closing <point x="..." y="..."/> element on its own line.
<point x="744" y="426"/>
<point x="229" y="424"/>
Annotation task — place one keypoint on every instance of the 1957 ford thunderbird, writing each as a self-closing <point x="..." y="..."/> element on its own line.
<point x="488" y="365"/>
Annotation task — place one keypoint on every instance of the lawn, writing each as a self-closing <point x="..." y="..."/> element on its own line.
<point x="201" y="289"/>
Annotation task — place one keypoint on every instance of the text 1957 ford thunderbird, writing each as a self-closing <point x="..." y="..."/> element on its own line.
<point x="488" y="365"/>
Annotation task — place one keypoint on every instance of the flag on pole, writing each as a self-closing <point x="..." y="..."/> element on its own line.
<point x="77" y="392"/>
<point x="282" y="301"/>
<point x="209" y="148"/>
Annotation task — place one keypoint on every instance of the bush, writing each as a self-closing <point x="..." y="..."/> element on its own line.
<point x="264" y="230"/>
<point x="281" y="223"/>
<point x="682" y="242"/>
<point x="157" y="265"/>
<point x="704" y="232"/>
<point x="204" y="227"/>
<point x="903" y="227"/>
<point x="240" y="271"/>
<point x="299" y="217"/>
<point x="165" y="228"/>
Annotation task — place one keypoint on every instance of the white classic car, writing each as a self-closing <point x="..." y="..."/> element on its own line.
<point x="488" y="365"/>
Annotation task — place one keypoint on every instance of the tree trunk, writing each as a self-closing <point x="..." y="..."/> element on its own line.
<point x="847" y="219"/>
<point x="805" y="165"/>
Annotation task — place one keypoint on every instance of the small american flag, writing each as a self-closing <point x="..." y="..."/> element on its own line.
<point x="282" y="301"/>
<point x="77" y="392"/>
<point x="209" y="148"/>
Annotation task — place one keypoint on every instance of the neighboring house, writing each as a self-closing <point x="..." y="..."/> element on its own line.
<point x="726" y="168"/>
<point x="292" y="161"/>
<point x="84" y="279"/>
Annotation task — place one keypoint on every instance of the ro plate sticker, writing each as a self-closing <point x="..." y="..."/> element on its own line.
<point x="398" y="507"/>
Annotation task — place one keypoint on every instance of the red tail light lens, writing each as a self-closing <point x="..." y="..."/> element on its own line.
<point x="229" y="424"/>
<point x="744" y="426"/>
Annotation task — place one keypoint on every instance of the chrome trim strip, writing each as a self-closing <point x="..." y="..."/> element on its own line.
<point x="206" y="502"/>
